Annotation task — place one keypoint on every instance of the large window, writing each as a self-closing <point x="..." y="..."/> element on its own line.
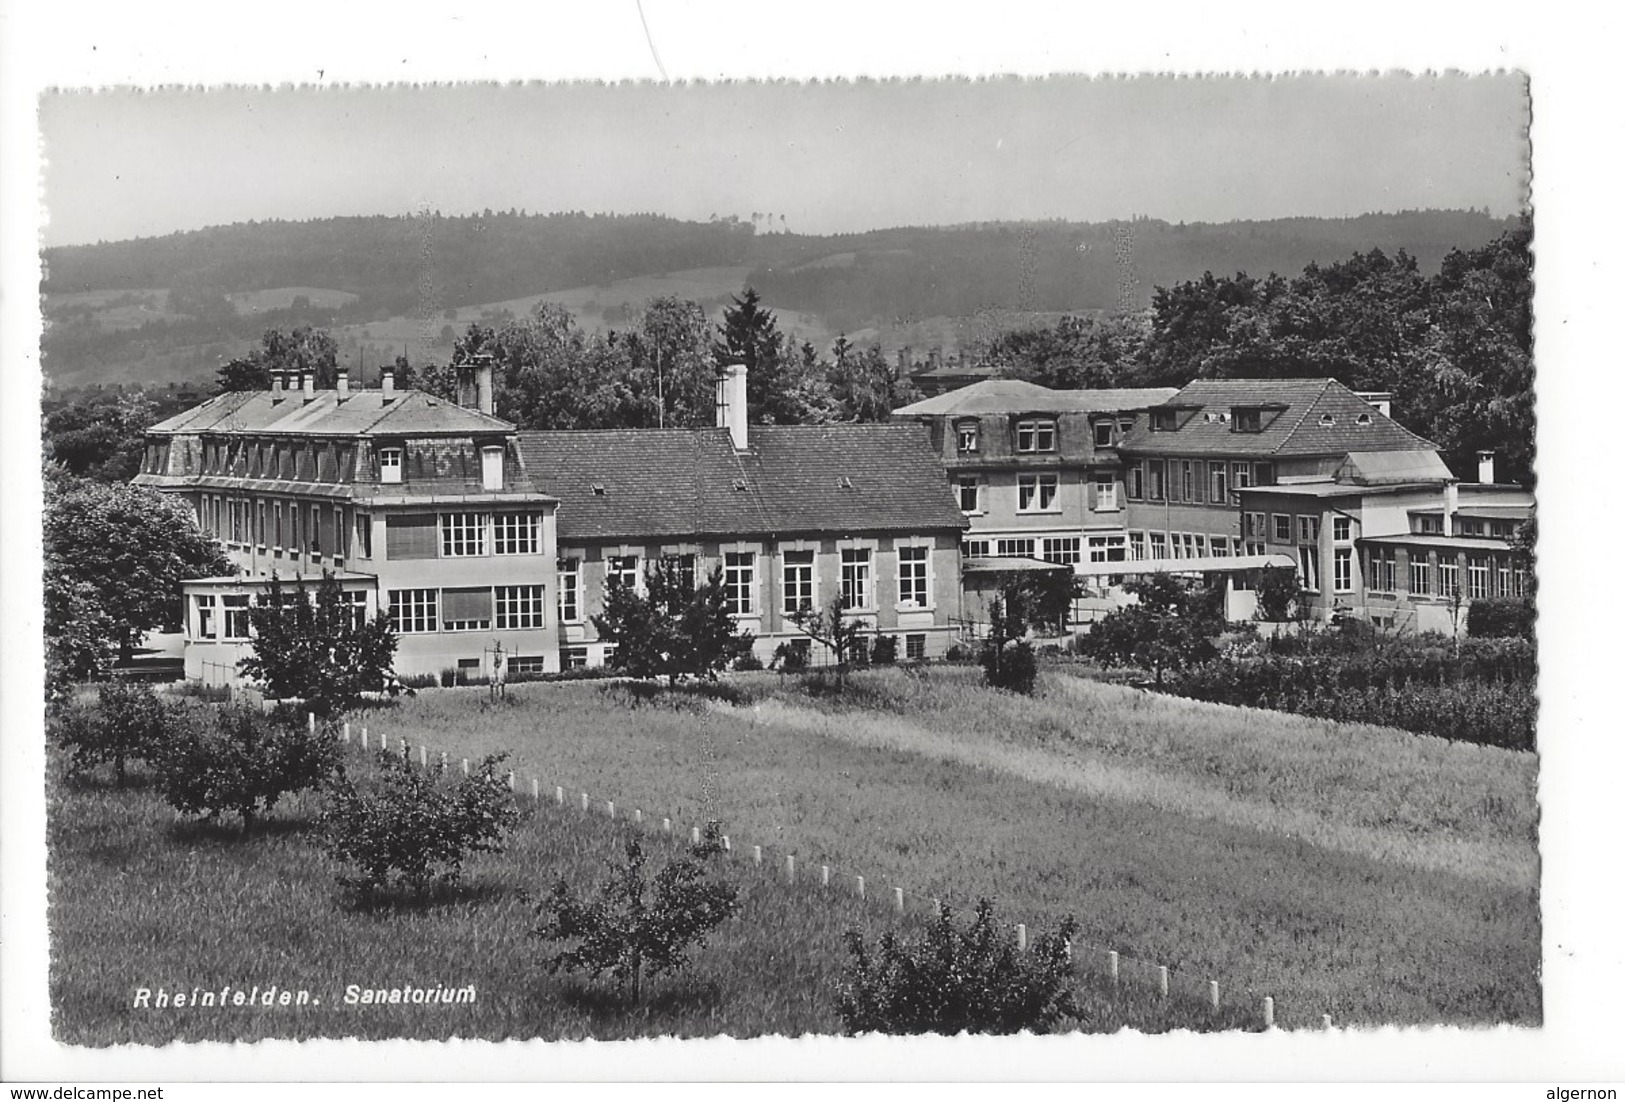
<point x="1108" y="548"/>
<point x="1136" y="482"/>
<point x="913" y="577"/>
<point x="1342" y="529"/>
<point x="798" y="582"/>
<point x="1016" y="548"/>
<point x="621" y="570"/>
<point x="314" y="532"/>
<point x="1136" y="545"/>
<point x="1216" y="476"/>
<point x="389" y="464"/>
<point x="1035" y="436"/>
<point x="1103" y="434"/>
<point x="1035" y="493"/>
<point x="235" y="619"/>
<point x="1384" y="566"/>
<point x="516" y="533"/>
<point x="1309" y="567"/>
<point x="682" y="570"/>
<point x="1155" y="489"/>
<point x="976" y="548"/>
<point x="914" y="647"/>
<point x="363" y="534"/>
<point x="1105" y="493"/>
<point x="491" y="467"/>
<point x="739" y="582"/>
<point x="969" y="436"/>
<point x="1063" y="549"/>
<point x="1478" y="577"/>
<point x="1283" y="527"/>
<point x="857" y="588"/>
<point x="463" y="534"/>
<point x="357" y="600"/>
<point x="569" y="590"/>
<point x="1308" y="529"/>
<point x="1343" y="570"/>
<point x="1241" y="475"/>
<point x="970" y="494"/>
<point x="1190" y="480"/>
<point x="1421" y="576"/>
<point x="1159" y="545"/>
<point x="465" y="609"/>
<point x="1449" y="577"/>
<point x="414" y="611"/>
<point x="259" y="523"/>
<point x="205" y="615"/>
<point x="521" y="606"/>
<point x="410" y="537"/>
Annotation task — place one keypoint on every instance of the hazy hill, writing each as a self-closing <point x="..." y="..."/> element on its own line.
<point x="154" y="309"/>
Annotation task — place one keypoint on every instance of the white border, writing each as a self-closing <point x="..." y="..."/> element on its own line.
<point x="1572" y="60"/>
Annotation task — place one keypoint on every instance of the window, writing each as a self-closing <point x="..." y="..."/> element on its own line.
<point x="1247" y="420"/>
<point x="798" y="582"/>
<point x="1136" y="545"/>
<point x="969" y="434"/>
<point x="970" y="494"/>
<point x="410" y="537"/>
<point x="1017" y="548"/>
<point x="1478" y="577"/>
<point x="1221" y="547"/>
<point x="1430" y="525"/>
<point x="1154" y="479"/>
<point x="205" y="616"/>
<point x="1420" y="575"/>
<point x="1063" y="549"/>
<point x="1241" y="475"/>
<point x="1103" y="434"/>
<point x="1263" y="474"/>
<point x="521" y="606"/>
<point x="1308" y="529"/>
<point x="914" y="647"/>
<point x="572" y="658"/>
<point x="314" y="532"/>
<point x="1035" y="493"/>
<point x="1252" y="525"/>
<point x="1503" y="579"/>
<point x="681" y="568"/>
<point x="1342" y="529"/>
<point x="463" y="534"/>
<point x="1198" y="548"/>
<point x="357" y="600"/>
<point x="259" y="523"/>
<point x="363" y="535"/>
<point x="491" y="467"/>
<point x="1218" y="491"/>
<point x="913" y="577"/>
<point x="1108" y="548"/>
<point x="1136" y="482"/>
<point x="1035" y="436"/>
<point x="976" y="549"/>
<point x="1283" y="527"/>
<point x="1449" y="577"/>
<point x="1190" y="481"/>
<point x="1309" y="567"/>
<point x="1159" y="545"/>
<point x="739" y="582"/>
<point x="1469" y="527"/>
<point x="856" y="591"/>
<point x="389" y="464"/>
<point x="235" y="512"/>
<point x="621" y="570"/>
<point x="415" y="611"/>
<point x="465" y="609"/>
<point x="1343" y="570"/>
<point x="569" y="590"/>
<point x="1105" y="493"/>
<point x="235" y="618"/>
<point x="516" y="533"/>
<point x="519" y="665"/>
<point x="1164" y="420"/>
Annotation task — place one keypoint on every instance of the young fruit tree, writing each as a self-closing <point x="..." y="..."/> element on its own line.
<point x="318" y="647"/>
<point x="832" y="627"/>
<point x="674" y="628"/>
<point x="953" y="980"/>
<point x="411" y="827"/>
<point x="128" y="723"/>
<point x="626" y="933"/>
<point x="242" y="762"/>
<point x="1008" y="661"/>
<point x="1170" y="628"/>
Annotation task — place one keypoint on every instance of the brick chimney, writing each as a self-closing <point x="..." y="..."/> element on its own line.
<point x="484" y="387"/>
<point x="732" y="413"/>
<point x="307" y="383"/>
<point x="386" y="382"/>
<point x="1486" y="467"/>
<point x="344" y="385"/>
<point x="277" y="392"/>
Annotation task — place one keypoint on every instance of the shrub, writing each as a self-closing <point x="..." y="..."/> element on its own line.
<point x="792" y="655"/>
<point x="1501" y="618"/>
<point x="128" y="723"/>
<point x="885" y="651"/>
<point x="954" y="980"/>
<point x="675" y="628"/>
<point x="1280" y="596"/>
<point x="1012" y="667"/>
<point x="747" y="660"/>
<point x="1170" y="628"/>
<point x="242" y="763"/>
<point x="448" y="678"/>
<point x="624" y="933"/>
<point x="411" y="827"/>
<point x="312" y="646"/>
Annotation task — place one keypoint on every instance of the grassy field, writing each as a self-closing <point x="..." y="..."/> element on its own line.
<point x="1366" y="873"/>
<point x="141" y="900"/>
<point x="1369" y="874"/>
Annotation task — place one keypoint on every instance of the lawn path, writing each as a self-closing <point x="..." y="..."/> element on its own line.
<point x="1495" y="862"/>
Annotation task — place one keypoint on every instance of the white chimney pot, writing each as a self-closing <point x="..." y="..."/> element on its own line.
<point x="732" y="413"/>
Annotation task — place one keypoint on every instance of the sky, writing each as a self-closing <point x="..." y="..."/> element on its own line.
<point x="829" y="157"/>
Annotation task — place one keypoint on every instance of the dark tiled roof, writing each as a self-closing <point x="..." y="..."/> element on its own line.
<point x="626" y="484"/>
<point x="363" y="413"/>
<point x="1297" y="430"/>
<point x="1019" y="396"/>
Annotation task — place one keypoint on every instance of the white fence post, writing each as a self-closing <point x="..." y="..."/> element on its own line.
<point x="824" y="875"/>
<point x="363" y="738"/>
<point x="536" y="790"/>
<point x="344" y="734"/>
<point x="558" y="794"/>
<point x="897" y="895"/>
<point x="609" y="806"/>
<point x="586" y="804"/>
<point x="790" y="867"/>
<point x="465" y="767"/>
<point x="310" y="722"/>
<point x="1269" y="1012"/>
<point x="1325" y="1021"/>
<point x="1021" y="936"/>
<point x="423" y="756"/>
<point x="665" y="825"/>
<point x="1162" y="980"/>
<point x="756" y="854"/>
<point x="383" y="742"/>
<point x="693" y="836"/>
<point x="444" y="759"/>
<point x="637" y="816"/>
<point x="860" y="887"/>
<point x="1111" y="965"/>
<point x="510" y="781"/>
<point x="1213" y="993"/>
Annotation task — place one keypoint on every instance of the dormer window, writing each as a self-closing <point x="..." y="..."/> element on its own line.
<point x="390" y="464"/>
<point x="1164" y="420"/>
<point x="1327" y="420"/>
<point x="969" y="433"/>
<point x="491" y="466"/>
<point x="1035" y="436"/>
<point x="1103" y="434"/>
<point x="1363" y="419"/>
<point x="1247" y="420"/>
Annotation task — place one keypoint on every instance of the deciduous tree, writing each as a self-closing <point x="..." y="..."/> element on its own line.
<point x="674" y="628"/>
<point x="317" y="646"/>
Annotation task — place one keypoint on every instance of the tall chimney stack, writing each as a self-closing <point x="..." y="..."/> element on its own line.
<point x="386" y="381"/>
<point x="1486" y="467"/>
<point x="1451" y="500"/>
<point x="307" y="383"/>
<point x="344" y="385"/>
<point x="484" y="386"/>
<point x="732" y="413"/>
<point x="277" y="393"/>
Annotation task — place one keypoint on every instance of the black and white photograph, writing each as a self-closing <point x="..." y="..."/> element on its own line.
<point x="1002" y="559"/>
